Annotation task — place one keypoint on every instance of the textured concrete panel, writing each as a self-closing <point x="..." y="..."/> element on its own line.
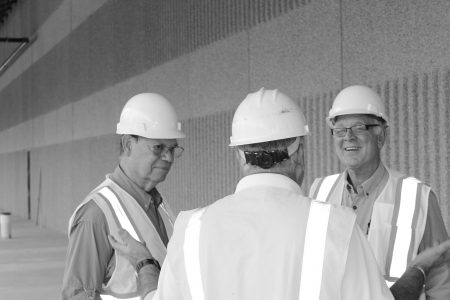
<point x="64" y="124"/>
<point x="83" y="9"/>
<point x="53" y="30"/>
<point x="27" y="16"/>
<point x="18" y="138"/>
<point x="45" y="129"/>
<point x="102" y="52"/>
<point x="319" y="150"/>
<point x="207" y="171"/>
<point x="394" y="38"/>
<point x="170" y="79"/>
<point x="218" y="77"/>
<point x="96" y="115"/>
<point x="45" y="33"/>
<point x="298" y="52"/>
<point x="99" y="113"/>
<point x="17" y="69"/>
<point x="13" y="183"/>
<point x="63" y="174"/>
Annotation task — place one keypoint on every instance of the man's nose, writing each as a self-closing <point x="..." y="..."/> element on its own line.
<point x="168" y="156"/>
<point x="349" y="134"/>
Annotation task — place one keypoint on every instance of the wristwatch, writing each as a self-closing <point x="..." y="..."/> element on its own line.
<point x="147" y="261"/>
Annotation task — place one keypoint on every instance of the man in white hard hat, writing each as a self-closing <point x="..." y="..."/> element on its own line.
<point x="128" y="198"/>
<point x="267" y="240"/>
<point x="399" y="214"/>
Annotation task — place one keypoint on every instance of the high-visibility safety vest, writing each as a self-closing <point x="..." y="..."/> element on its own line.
<point x="324" y="245"/>
<point x="123" y="211"/>
<point x="398" y="218"/>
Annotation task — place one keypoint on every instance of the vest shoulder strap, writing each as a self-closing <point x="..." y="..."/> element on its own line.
<point x="115" y="204"/>
<point x="192" y="255"/>
<point x="314" y="250"/>
<point x="404" y="217"/>
<point x="325" y="187"/>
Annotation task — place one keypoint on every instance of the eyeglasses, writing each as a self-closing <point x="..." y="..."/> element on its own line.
<point x="161" y="150"/>
<point x="356" y="129"/>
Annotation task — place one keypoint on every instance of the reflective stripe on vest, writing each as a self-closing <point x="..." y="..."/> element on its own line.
<point x="402" y="220"/>
<point x="192" y="255"/>
<point x="401" y="240"/>
<point x="109" y="297"/>
<point x="313" y="251"/>
<point x="125" y="223"/>
<point x="325" y="187"/>
<point x="118" y="210"/>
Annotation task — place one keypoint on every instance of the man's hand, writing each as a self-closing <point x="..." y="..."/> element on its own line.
<point x="433" y="256"/>
<point x="127" y="246"/>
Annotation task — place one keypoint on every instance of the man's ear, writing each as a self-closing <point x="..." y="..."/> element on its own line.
<point x="299" y="155"/>
<point x="127" y="141"/>
<point x="381" y="139"/>
<point x="239" y="155"/>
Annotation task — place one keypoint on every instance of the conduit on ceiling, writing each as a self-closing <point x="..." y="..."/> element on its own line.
<point x="23" y="43"/>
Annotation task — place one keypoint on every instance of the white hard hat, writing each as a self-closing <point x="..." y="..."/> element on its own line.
<point x="151" y="116"/>
<point x="267" y="115"/>
<point x="357" y="99"/>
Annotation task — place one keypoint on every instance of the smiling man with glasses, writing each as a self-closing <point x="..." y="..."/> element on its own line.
<point x="399" y="214"/>
<point x="149" y="131"/>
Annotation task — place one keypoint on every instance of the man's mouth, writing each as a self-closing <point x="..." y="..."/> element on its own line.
<point x="352" y="148"/>
<point x="163" y="168"/>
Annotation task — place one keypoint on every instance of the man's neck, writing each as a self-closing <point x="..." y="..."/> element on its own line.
<point x="359" y="175"/>
<point x="281" y="171"/>
<point x="135" y="179"/>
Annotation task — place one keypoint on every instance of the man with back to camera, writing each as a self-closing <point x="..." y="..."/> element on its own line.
<point x="128" y="198"/>
<point x="399" y="214"/>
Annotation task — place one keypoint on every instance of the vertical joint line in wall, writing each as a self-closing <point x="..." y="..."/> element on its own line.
<point x="28" y="186"/>
<point x="248" y="60"/>
<point x="341" y="45"/>
<point x="71" y="16"/>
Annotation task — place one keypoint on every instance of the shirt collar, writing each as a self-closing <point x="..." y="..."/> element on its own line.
<point x="141" y="196"/>
<point x="268" y="179"/>
<point x="370" y="185"/>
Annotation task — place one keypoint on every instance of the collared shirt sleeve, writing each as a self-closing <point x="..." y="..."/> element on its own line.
<point x="168" y="286"/>
<point x="437" y="284"/>
<point x="362" y="277"/>
<point x="88" y="254"/>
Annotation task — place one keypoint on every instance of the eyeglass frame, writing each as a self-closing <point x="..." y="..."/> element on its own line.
<point x="362" y="131"/>
<point x="166" y="149"/>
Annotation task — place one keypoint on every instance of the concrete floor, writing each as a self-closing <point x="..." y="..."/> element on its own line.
<point x="31" y="262"/>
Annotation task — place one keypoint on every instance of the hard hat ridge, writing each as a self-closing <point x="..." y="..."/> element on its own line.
<point x="267" y="115"/>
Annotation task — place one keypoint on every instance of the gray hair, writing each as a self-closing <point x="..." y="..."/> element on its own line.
<point x="122" y="145"/>
<point x="270" y="145"/>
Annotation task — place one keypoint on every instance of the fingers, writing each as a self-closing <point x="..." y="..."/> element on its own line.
<point x="118" y="246"/>
<point x="445" y="246"/>
<point x="124" y="235"/>
<point x="444" y="249"/>
<point x="440" y="249"/>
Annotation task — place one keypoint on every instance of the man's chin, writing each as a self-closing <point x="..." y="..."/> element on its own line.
<point x="350" y="161"/>
<point x="160" y="177"/>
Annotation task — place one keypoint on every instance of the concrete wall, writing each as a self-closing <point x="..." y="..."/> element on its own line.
<point x="64" y="94"/>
